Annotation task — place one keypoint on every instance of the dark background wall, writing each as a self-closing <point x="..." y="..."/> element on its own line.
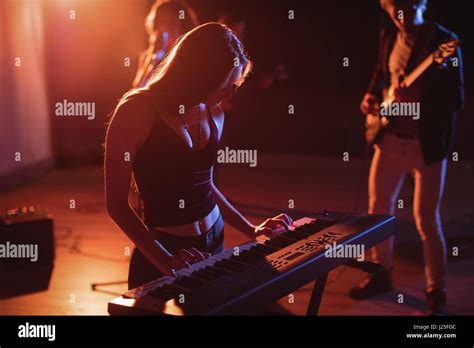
<point x="85" y="63"/>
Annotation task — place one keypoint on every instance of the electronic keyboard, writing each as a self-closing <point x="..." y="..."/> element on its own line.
<point x="249" y="276"/>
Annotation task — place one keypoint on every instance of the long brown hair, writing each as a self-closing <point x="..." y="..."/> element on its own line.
<point x="198" y="64"/>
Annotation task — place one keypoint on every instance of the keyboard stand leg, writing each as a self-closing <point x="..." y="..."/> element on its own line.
<point x="316" y="295"/>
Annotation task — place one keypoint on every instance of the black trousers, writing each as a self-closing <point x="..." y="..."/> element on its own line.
<point x="142" y="271"/>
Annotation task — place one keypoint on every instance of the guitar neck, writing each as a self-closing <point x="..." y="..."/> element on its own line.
<point x="420" y="69"/>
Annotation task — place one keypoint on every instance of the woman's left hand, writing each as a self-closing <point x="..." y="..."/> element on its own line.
<point x="273" y="226"/>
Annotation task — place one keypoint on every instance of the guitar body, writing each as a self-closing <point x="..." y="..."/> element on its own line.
<point x="374" y="122"/>
<point x="373" y="126"/>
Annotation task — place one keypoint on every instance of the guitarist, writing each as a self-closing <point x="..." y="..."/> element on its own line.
<point x="416" y="146"/>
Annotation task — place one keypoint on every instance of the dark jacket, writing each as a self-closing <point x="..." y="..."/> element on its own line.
<point x="442" y="87"/>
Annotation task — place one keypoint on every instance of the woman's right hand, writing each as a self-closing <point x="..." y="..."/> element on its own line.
<point x="368" y="104"/>
<point x="185" y="258"/>
<point x="273" y="226"/>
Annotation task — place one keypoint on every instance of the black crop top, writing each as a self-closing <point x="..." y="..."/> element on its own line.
<point x="175" y="181"/>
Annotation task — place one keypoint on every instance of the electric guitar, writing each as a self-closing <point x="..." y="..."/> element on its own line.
<point x="373" y="121"/>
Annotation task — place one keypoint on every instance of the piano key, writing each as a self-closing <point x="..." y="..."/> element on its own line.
<point x="236" y="258"/>
<point x="223" y="269"/>
<point x="178" y="288"/>
<point x="207" y="262"/>
<point x="273" y="243"/>
<point x="248" y="257"/>
<point x="220" y="278"/>
<point x="259" y="253"/>
<point x="266" y="250"/>
<point x="189" y="283"/>
<point x="202" y="274"/>
<point x="230" y="264"/>
<point x="307" y="229"/>
<point x="214" y="272"/>
<point x="283" y="240"/>
<point x="167" y="292"/>
<point x="321" y="223"/>
<point x="293" y="236"/>
<point x="161" y="293"/>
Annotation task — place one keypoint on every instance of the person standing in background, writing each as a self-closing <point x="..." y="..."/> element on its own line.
<point x="166" y="21"/>
<point x="413" y="146"/>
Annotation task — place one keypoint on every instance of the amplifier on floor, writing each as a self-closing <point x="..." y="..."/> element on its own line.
<point x="26" y="250"/>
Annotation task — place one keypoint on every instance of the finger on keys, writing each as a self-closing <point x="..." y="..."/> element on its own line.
<point x="197" y="254"/>
<point x="179" y="262"/>
<point x="286" y="217"/>
<point x="266" y="231"/>
<point x="277" y="231"/>
<point x="187" y="256"/>
<point x="273" y="223"/>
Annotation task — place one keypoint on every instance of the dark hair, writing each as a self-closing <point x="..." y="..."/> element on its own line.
<point x="164" y="8"/>
<point x="198" y="64"/>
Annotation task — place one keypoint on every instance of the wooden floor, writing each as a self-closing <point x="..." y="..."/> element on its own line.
<point x="91" y="248"/>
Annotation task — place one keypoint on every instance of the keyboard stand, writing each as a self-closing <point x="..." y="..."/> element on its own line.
<point x="316" y="295"/>
<point x="320" y="283"/>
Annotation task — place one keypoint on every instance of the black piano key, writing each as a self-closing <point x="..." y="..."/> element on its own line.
<point x="237" y="263"/>
<point x="273" y="243"/>
<point x="259" y="253"/>
<point x="237" y="258"/>
<point x="243" y="259"/>
<point x="263" y="249"/>
<point x="303" y="235"/>
<point x="161" y="294"/>
<point x="294" y="236"/>
<point x="228" y="264"/>
<point x="248" y="257"/>
<point x="178" y="289"/>
<point x="207" y="273"/>
<point x="322" y="224"/>
<point x="167" y="292"/>
<point x="188" y="283"/>
<point x="305" y="229"/>
<point x="202" y="275"/>
<point x="220" y="270"/>
<point x="197" y="279"/>
<point x="224" y="269"/>
<point x="283" y="240"/>
<point x="216" y="271"/>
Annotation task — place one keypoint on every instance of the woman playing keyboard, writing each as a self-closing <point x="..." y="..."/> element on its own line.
<point x="166" y="134"/>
